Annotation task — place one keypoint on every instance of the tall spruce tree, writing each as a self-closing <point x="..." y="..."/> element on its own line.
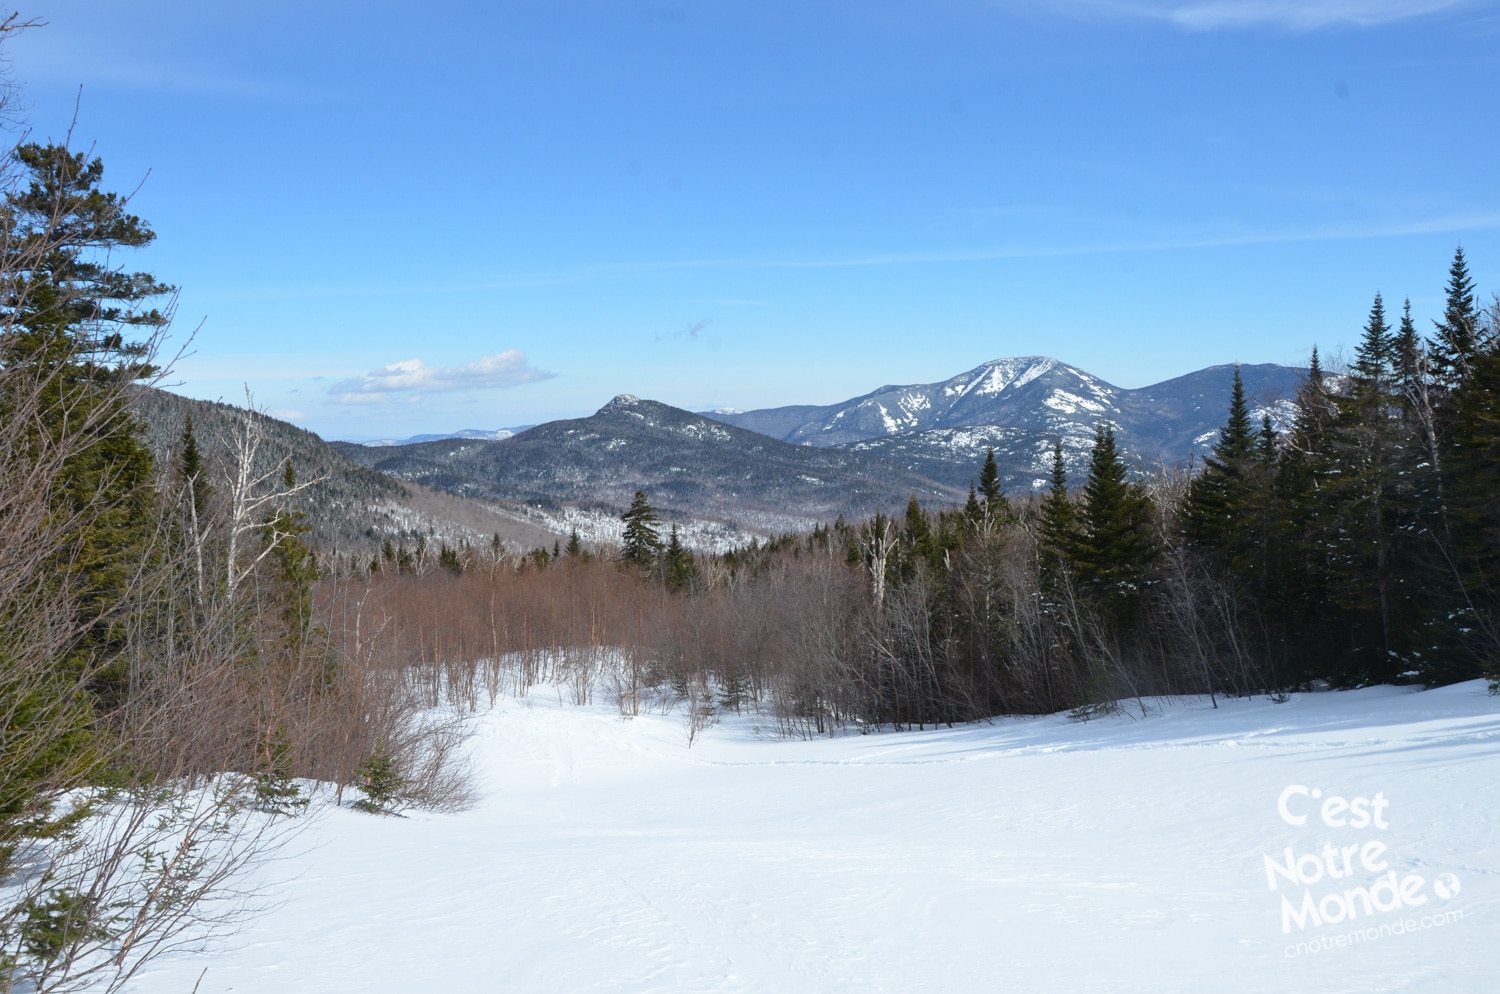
<point x="294" y="568"/>
<point x="1118" y="549"/>
<point x="681" y="569"/>
<point x="1219" y="512"/>
<point x="1410" y="352"/>
<point x="1456" y="336"/>
<point x="74" y="331"/>
<point x="84" y="326"/>
<point x="973" y="510"/>
<point x="1375" y="356"/>
<point x="641" y="545"/>
<point x="192" y="475"/>
<point x="1307" y="628"/>
<point x="918" y="541"/>
<point x="1057" y="539"/>
<point x="1368" y="498"/>
<point x="1418" y="398"/>
<point x="996" y="507"/>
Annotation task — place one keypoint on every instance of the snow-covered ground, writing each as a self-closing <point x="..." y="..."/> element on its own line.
<point x="1122" y="854"/>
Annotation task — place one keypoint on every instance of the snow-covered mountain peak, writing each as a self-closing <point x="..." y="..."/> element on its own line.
<point x="998" y="374"/>
<point x="1021" y="406"/>
<point x="623" y="402"/>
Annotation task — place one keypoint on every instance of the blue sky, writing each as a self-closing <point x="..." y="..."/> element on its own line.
<point x="389" y="219"/>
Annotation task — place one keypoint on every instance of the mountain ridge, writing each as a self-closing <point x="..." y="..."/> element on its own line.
<point x="685" y="462"/>
<point x="1021" y="406"/>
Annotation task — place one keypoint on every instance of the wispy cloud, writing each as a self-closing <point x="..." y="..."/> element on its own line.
<point x="408" y="380"/>
<point x="1443" y="224"/>
<point x="1295" y="15"/>
<point x="64" y="56"/>
<point x="1480" y="219"/>
<point x="690" y="332"/>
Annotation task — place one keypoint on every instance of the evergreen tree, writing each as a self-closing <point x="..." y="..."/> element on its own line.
<point x="1368" y="499"/>
<point x="1057" y="541"/>
<point x="1410" y="358"/>
<point x="1416" y="394"/>
<point x="294" y="567"/>
<point x="1267" y="445"/>
<point x="1218" y="505"/>
<point x="1267" y="506"/>
<point x="1118" y="549"/>
<point x="1308" y="628"/>
<point x="382" y="783"/>
<point x="69" y="314"/>
<point x="995" y="504"/>
<point x="920" y="543"/>
<point x="973" y="512"/>
<point x="574" y="547"/>
<point x="192" y="475"/>
<point x="195" y="493"/>
<point x="1457" y="334"/>
<point x="70" y="323"/>
<point x="450" y="560"/>
<point x="276" y="792"/>
<point x="1375" y="356"/>
<point x="1315" y="409"/>
<point x="681" y="568"/>
<point x="642" y="546"/>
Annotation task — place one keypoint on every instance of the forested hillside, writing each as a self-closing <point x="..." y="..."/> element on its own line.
<point x="691" y="465"/>
<point x="349" y="507"/>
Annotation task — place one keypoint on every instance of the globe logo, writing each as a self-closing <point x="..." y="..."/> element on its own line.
<point x="1446" y="886"/>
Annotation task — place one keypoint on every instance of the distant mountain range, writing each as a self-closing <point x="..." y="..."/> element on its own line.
<point x="492" y="435"/>
<point x="725" y="475"/>
<point x="789" y="467"/>
<point x="686" y="462"/>
<point x="1020" y="407"/>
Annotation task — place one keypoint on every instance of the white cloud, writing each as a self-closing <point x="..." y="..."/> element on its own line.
<point x="1296" y="15"/>
<point x="409" y="379"/>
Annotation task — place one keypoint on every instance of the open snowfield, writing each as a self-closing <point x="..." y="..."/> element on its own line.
<point x="1122" y="854"/>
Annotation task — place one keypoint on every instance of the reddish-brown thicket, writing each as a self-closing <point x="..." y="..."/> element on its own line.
<point x="784" y="636"/>
<point x="800" y="631"/>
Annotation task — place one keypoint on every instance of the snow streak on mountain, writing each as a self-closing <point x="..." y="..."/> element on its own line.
<point x="1020" y="407"/>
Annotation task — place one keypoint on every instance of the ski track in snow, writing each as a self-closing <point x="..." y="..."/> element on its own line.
<point x="1029" y="854"/>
